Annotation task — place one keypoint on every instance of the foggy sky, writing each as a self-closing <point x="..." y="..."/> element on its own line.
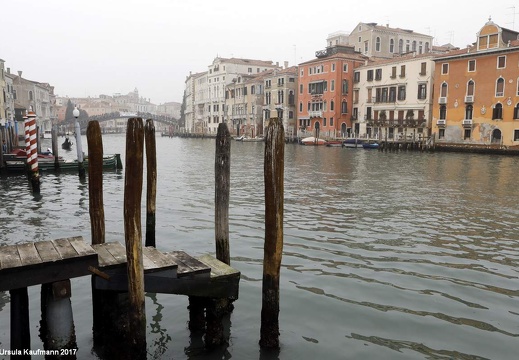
<point x="88" y="48"/>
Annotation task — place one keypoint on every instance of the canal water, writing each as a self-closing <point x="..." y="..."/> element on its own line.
<point x="386" y="255"/>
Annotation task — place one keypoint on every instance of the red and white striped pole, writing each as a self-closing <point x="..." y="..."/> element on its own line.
<point x="31" y="143"/>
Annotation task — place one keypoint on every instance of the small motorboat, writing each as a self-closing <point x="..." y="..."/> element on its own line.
<point x="370" y="145"/>
<point x="353" y="143"/>
<point x="334" y="143"/>
<point x="313" y="141"/>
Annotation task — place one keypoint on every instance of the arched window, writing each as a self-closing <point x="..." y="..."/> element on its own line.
<point x="497" y="113"/>
<point x="31" y="98"/>
<point x="377" y="44"/>
<point x="392" y="45"/>
<point x="443" y="112"/>
<point x="516" y="111"/>
<point x="332" y="105"/>
<point x="414" y="45"/>
<point x="500" y="87"/>
<point x="400" y="46"/>
<point x="427" y="47"/>
<point x="470" y="88"/>
<point x="468" y="112"/>
<point x="443" y="90"/>
<point x="344" y="107"/>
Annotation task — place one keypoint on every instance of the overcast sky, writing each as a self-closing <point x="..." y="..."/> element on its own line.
<point x="92" y="47"/>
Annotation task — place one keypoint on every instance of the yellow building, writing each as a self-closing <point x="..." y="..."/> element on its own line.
<point x="477" y="91"/>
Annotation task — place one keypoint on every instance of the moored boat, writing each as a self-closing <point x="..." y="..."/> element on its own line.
<point x="370" y="145"/>
<point x="353" y="143"/>
<point x="334" y="143"/>
<point x="313" y="141"/>
<point x="48" y="163"/>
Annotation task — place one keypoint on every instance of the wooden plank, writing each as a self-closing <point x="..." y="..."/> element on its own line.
<point x="219" y="269"/>
<point x="196" y="267"/>
<point x="47" y="251"/>
<point x="81" y="246"/>
<point x="105" y="258"/>
<point x="28" y="254"/>
<point x="147" y="262"/>
<point x="117" y="250"/>
<point x="9" y="257"/>
<point x="160" y="260"/>
<point x="182" y="269"/>
<point x="64" y="248"/>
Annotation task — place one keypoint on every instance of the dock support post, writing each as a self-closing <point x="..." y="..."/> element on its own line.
<point x="196" y="308"/>
<point x="31" y="143"/>
<point x="274" y="200"/>
<point x="151" y="183"/>
<point x="133" y="236"/>
<point x="55" y="146"/>
<point x="57" y="330"/>
<point x="20" y="331"/>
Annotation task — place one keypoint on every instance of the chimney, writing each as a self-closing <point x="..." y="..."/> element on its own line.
<point x="9" y="71"/>
<point x="286" y="64"/>
<point x="19" y="73"/>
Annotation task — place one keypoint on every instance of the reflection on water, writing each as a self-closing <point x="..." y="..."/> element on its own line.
<point x="386" y="255"/>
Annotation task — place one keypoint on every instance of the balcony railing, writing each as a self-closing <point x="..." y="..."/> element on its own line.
<point x="442" y="100"/>
<point x="440" y="122"/>
<point x="469" y="98"/>
<point x="315" y="113"/>
<point x="467" y="122"/>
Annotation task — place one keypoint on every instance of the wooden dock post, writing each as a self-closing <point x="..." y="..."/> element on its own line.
<point x="31" y="143"/>
<point x="274" y="200"/>
<point x="222" y="171"/>
<point x="151" y="183"/>
<point x="95" y="182"/>
<point x="133" y="236"/>
<point x="20" y="331"/>
<point x="55" y="146"/>
<point x="57" y="330"/>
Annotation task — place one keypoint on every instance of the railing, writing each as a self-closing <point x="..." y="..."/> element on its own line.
<point x="469" y="98"/>
<point x="315" y="113"/>
<point x="442" y="100"/>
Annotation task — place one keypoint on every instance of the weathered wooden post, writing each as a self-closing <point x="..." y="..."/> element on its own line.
<point x="79" y="147"/>
<point x="274" y="193"/>
<point x="133" y="236"/>
<point x="151" y="183"/>
<point x="95" y="182"/>
<point x="217" y="308"/>
<point x="20" y="331"/>
<point x="55" y="146"/>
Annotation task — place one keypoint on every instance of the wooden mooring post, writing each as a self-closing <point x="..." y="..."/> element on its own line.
<point x="31" y="143"/>
<point x="20" y="330"/>
<point x="133" y="236"/>
<point x="273" y="249"/>
<point x="55" y="146"/>
<point x="151" y="183"/>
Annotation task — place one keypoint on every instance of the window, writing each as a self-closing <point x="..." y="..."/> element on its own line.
<point x="302" y="72"/>
<point x="441" y="133"/>
<point x="414" y="46"/>
<point x="392" y="46"/>
<point x="401" y="92"/>
<point x="402" y="71"/>
<point x="393" y="72"/>
<point x="377" y="44"/>
<point x="370" y="75"/>
<point x="300" y="107"/>
<point x="423" y="68"/>
<point x="400" y="46"/>
<point x="366" y="46"/>
<point x="331" y="121"/>
<point x="300" y="88"/>
<point x="500" y="87"/>
<point x="332" y="106"/>
<point x="344" y="107"/>
<point x="345" y="67"/>
<point x="345" y="86"/>
<point x="30" y="96"/>
<point x="466" y="134"/>
<point x="392" y="94"/>
<point x="501" y="62"/>
<point x="470" y="88"/>
<point x="290" y="114"/>
<point x="378" y="74"/>
<point x="291" y="98"/>
<point x="324" y="121"/>
<point x="332" y="85"/>
<point x="472" y="65"/>
<point x="422" y="91"/>
<point x="468" y="112"/>
<point x="317" y="87"/>
<point x="445" y="69"/>
<point x="443" y="90"/>
<point x="516" y="135"/>
<point x="356" y="77"/>
<point x="497" y="113"/>
<point x="516" y="112"/>
<point x="333" y="67"/>
<point x="443" y="112"/>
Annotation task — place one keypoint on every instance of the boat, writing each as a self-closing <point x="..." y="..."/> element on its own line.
<point x="334" y="143"/>
<point x="47" y="163"/>
<point x="239" y="138"/>
<point x="256" y="139"/>
<point x="370" y="145"/>
<point x="353" y="143"/>
<point x="313" y="141"/>
<point x="67" y="145"/>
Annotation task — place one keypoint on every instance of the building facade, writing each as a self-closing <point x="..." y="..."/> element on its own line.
<point x="392" y="98"/>
<point x="477" y="91"/>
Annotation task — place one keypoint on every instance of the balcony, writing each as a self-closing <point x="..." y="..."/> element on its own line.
<point x="441" y="122"/>
<point x="469" y="99"/>
<point x="315" y="113"/>
<point x="467" y="123"/>
<point x="442" y="100"/>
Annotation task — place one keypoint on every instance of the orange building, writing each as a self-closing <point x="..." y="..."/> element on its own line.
<point x="477" y="91"/>
<point x="325" y="92"/>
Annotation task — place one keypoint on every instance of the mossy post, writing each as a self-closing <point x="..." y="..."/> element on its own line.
<point x="133" y="237"/>
<point x="151" y="183"/>
<point x="274" y="193"/>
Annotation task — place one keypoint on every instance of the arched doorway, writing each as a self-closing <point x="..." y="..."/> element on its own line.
<point x="496" y="136"/>
<point x="317" y="126"/>
<point x="343" y="130"/>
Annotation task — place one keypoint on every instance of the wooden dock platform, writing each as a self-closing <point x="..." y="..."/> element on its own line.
<point x="174" y="272"/>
